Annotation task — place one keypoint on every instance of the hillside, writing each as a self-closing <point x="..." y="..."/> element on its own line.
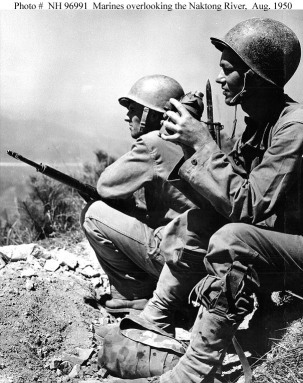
<point x="47" y="329"/>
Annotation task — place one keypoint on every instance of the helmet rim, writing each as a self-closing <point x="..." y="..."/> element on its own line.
<point x="153" y="91"/>
<point x="259" y="42"/>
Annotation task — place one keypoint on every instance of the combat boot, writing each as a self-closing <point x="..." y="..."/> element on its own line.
<point x="210" y="339"/>
<point x="170" y="297"/>
<point x="115" y="303"/>
<point x="118" y="304"/>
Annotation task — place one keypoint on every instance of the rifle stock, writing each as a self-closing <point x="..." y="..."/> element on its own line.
<point x="86" y="191"/>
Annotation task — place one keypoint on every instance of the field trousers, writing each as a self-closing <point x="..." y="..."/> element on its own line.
<point x="132" y="256"/>
<point x="126" y="248"/>
<point x="241" y="260"/>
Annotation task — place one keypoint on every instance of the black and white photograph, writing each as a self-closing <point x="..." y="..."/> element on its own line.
<point x="151" y="192"/>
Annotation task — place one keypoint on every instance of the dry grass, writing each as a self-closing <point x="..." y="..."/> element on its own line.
<point x="284" y="363"/>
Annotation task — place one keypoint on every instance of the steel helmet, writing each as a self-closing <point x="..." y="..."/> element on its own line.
<point x="153" y="92"/>
<point x="268" y="47"/>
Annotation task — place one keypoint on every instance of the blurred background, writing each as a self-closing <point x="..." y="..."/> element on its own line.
<point x="61" y="74"/>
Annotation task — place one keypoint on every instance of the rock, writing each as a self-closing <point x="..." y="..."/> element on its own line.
<point x="91" y="370"/>
<point x="66" y="258"/>
<point x="102" y="372"/>
<point x="2" y="262"/>
<point x="40" y="253"/>
<point x="65" y="367"/>
<point x="90" y="272"/>
<point x="29" y="285"/>
<point x="75" y="371"/>
<point x="96" y="282"/>
<point x="89" y="253"/>
<point x="72" y="359"/>
<point x="84" y="353"/>
<point x="51" y="265"/>
<point x="58" y="372"/>
<point x="54" y="363"/>
<point x="28" y="273"/>
<point x="83" y="263"/>
<point x="15" y="253"/>
<point x="89" y="381"/>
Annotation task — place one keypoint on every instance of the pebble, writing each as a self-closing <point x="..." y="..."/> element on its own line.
<point x="40" y="253"/>
<point x="102" y="372"/>
<point x="29" y="285"/>
<point x="96" y="282"/>
<point x="89" y="272"/>
<point x="84" y="353"/>
<point x="15" y="253"/>
<point x="73" y="359"/>
<point x="58" y="372"/>
<point x="75" y="371"/>
<point x="2" y="263"/>
<point x="28" y="273"/>
<point x="66" y="258"/>
<point x="83" y="263"/>
<point x="51" y="265"/>
<point x="54" y="363"/>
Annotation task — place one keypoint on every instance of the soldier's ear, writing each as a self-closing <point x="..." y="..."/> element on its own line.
<point x="253" y="78"/>
<point x="155" y="117"/>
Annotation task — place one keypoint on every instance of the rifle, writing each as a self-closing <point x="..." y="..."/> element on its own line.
<point x="214" y="127"/>
<point x="87" y="192"/>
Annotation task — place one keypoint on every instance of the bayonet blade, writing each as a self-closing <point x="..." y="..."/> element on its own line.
<point x="210" y="113"/>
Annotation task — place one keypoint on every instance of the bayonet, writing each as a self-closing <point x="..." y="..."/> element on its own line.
<point x="214" y="127"/>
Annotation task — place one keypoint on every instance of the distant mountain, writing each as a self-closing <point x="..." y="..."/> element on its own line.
<point x="43" y="141"/>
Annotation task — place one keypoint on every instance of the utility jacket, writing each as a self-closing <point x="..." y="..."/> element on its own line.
<point x="147" y="165"/>
<point x="259" y="182"/>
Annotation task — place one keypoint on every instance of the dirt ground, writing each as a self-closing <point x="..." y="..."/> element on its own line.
<point x="44" y="322"/>
<point x="47" y="329"/>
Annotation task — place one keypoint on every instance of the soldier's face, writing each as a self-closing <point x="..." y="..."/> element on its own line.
<point x="134" y="115"/>
<point x="231" y="76"/>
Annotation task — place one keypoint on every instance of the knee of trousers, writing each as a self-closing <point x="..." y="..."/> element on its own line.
<point x="83" y="213"/>
<point x="230" y="243"/>
<point x="229" y="289"/>
<point x="230" y="233"/>
<point x="87" y="220"/>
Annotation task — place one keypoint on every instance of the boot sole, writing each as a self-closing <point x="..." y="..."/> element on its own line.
<point x="122" y="310"/>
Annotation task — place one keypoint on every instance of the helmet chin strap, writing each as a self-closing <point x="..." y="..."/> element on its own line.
<point x="243" y="90"/>
<point x="143" y="119"/>
<point x="239" y="96"/>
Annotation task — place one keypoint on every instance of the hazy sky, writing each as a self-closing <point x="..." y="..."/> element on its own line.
<point x="70" y="67"/>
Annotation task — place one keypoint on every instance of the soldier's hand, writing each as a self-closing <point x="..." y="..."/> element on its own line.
<point x="185" y="129"/>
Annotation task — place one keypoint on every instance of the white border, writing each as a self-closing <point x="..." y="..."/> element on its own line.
<point x="32" y="5"/>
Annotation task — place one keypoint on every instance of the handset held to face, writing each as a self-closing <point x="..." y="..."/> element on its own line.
<point x="193" y="102"/>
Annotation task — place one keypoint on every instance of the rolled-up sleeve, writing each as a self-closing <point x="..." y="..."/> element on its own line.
<point x="254" y="197"/>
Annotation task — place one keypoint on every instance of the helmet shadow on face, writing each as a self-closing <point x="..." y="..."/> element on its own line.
<point x="142" y="120"/>
<point x="146" y="101"/>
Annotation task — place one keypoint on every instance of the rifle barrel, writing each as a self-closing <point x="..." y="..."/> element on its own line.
<point x="23" y="159"/>
<point x="59" y="176"/>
